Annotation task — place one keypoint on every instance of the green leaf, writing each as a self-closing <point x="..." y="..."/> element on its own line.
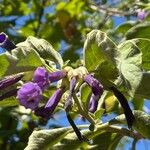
<point x="111" y="103"/>
<point x="45" y="49"/>
<point x="19" y="60"/>
<point x="144" y="46"/>
<point x="107" y="141"/>
<point x="85" y="91"/>
<point x="99" y="113"/>
<point x="139" y="31"/>
<point x="138" y="103"/>
<point x="44" y="139"/>
<point x="141" y="123"/>
<point x="133" y="64"/>
<point x="99" y="56"/>
<point x="123" y="28"/>
<point x="129" y="62"/>
<point x="143" y="89"/>
<point x="11" y="101"/>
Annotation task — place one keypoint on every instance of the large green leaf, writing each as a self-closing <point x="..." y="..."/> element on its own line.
<point x="133" y="63"/>
<point x="20" y="59"/>
<point x="43" y="139"/>
<point x="139" y="31"/>
<point x="64" y="138"/>
<point x="129" y="62"/>
<point x="99" y="55"/>
<point x="45" y="49"/>
<point x="141" y="123"/>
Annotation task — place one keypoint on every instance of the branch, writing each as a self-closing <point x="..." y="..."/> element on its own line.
<point x="110" y="11"/>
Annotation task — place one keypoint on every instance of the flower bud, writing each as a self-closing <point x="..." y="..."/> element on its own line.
<point x="47" y="110"/>
<point x="8" y="94"/>
<point x="97" y="88"/>
<point x="41" y="77"/>
<point x="29" y="95"/>
<point x="10" y="81"/>
<point x="97" y="91"/>
<point x="5" y="42"/>
<point x="56" y="76"/>
<point x="69" y="102"/>
<point x="93" y="103"/>
<point x="141" y="15"/>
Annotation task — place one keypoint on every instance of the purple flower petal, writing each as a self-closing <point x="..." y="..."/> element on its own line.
<point x="29" y="95"/>
<point x="69" y="102"/>
<point x="97" y="91"/>
<point x="41" y="78"/>
<point x="50" y="106"/>
<point x="141" y="15"/>
<point x="56" y="76"/>
<point x="97" y="88"/>
<point x="93" y="103"/>
<point x="5" y="42"/>
<point x="8" y="94"/>
<point x="10" y="81"/>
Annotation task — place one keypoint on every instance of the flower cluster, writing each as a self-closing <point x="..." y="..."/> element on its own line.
<point x="30" y="94"/>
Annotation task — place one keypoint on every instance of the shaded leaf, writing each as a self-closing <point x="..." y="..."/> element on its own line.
<point x="139" y="31"/>
<point x="141" y="123"/>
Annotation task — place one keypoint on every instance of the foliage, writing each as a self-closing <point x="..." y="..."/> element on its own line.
<point x="53" y="35"/>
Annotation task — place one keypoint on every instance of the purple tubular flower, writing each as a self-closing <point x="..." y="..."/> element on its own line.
<point x="47" y="110"/>
<point x="29" y="95"/>
<point x="56" y="76"/>
<point x="5" y="42"/>
<point x="97" y="91"/>
<point x="97" y="88"/>
<point x="41" y="78"/>
<point x="69" y="102"/>
<point x="93" y="103"/>
<point x="141" y="15"/>
<point x="10" y="81"/>
<point x="8" y="94"/>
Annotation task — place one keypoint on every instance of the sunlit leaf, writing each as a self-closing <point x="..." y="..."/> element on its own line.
<point x="129" y="64"/>
<point x="19" y="60"/>
<point x="44" y="139"/>
<point x="99" y="56"/>
<point x="43" y="48"/>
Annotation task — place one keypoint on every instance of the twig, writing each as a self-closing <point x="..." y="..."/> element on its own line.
<point x="110" y="11"/>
